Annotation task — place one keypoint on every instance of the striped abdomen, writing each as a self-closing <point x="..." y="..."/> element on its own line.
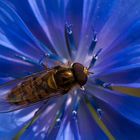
<point x="33" y="89"/>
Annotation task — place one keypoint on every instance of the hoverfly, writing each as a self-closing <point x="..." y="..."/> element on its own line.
<point x="43" y="85"/>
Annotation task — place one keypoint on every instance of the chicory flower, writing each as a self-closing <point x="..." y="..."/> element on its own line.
<point x="100" y="34"/>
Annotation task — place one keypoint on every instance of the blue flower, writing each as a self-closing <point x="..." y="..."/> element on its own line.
<point x="103" y="35"/>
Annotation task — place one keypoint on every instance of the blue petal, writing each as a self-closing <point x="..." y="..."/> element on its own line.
<point x="118" y="125"/>
<point x="128" y="39"/>
<point x="124" y="104"/>
<point x="21" y="52"/>
<point x="95" y="14"/>
<point x="45" y="15"/>
<point x="12" y="122"/>
<point x="16" y="39"/>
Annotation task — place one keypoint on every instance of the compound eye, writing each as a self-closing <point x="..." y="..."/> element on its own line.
<point x="79" y="73"/>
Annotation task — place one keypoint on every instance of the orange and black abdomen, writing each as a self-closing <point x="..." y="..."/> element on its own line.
<point x="33" y="89"/>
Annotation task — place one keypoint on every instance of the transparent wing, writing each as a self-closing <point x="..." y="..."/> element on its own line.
<point x="5" y="89"/>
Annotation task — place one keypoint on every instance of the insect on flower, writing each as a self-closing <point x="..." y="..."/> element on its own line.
<point x="50" y="93"/>
<point x="51" y="82"/>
